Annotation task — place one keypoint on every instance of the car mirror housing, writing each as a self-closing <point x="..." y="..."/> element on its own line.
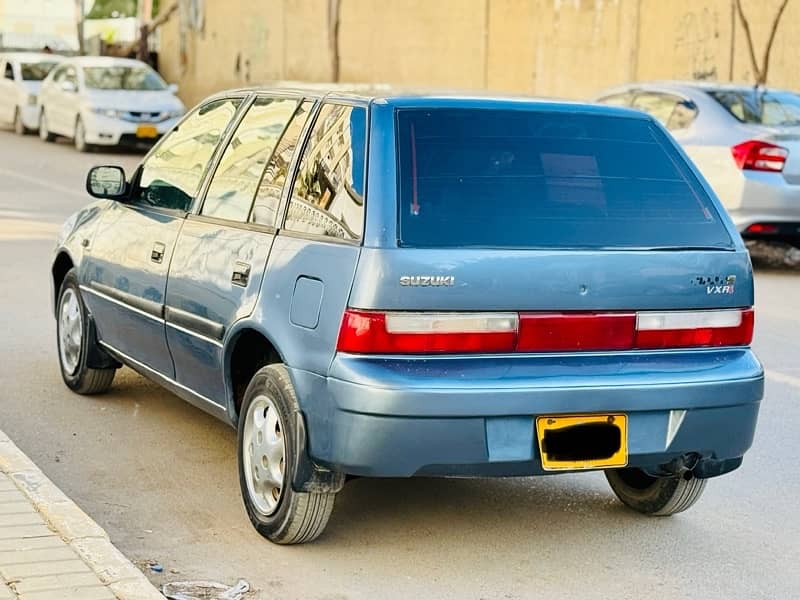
<point x="173" y="88"/>
<point x="106" y="182"/>
<point x="69" y="86"/>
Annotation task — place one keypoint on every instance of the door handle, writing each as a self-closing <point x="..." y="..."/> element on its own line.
<point x="157" y="254"/>
<point x="241" y="274"/>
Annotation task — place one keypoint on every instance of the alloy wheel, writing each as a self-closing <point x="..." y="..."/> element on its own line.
<point x="70" y="331"/>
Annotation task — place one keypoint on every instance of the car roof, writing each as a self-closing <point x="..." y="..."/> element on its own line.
<point x="31" y="56"/>
<point x="105" y="61"/>
<point x="687" y="87"/>
<point x="429" y="98"/>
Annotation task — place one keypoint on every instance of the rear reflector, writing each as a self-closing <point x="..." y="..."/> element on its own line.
<point x="370" y="332"/>
<point x="756" y="155"/>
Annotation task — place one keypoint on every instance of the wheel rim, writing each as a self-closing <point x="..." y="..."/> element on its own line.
<point x="70" y="332"/>
<point x="264" y="454"/>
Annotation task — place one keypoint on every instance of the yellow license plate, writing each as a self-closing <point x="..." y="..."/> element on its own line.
<point x="573" y="442"/>
<point x="146" y="131"/>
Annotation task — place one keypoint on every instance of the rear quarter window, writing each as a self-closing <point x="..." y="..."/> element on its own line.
<point x="545" y="179"/>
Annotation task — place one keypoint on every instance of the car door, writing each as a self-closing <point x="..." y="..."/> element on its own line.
<point x="126" y="265"/>
<point x="8" y="92"/>
<point x="60" y="96"/>
<point x="220" y="257"/>
<point x="314" y="256"/>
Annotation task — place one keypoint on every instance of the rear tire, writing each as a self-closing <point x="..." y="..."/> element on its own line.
<point x="44" y="132"/>
<point x="266" y="448"/>
<point x="655" y="496"/>
<point x="74" y="342"/>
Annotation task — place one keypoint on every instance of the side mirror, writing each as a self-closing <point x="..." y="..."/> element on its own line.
<point x="106" y="182"/>
<point x="173" y="88"/>
<point x="69" y="86"/>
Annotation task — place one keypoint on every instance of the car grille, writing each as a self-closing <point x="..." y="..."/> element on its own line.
<point x="145" y="117"/>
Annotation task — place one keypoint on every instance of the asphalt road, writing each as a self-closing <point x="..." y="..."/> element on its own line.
<point x="160" y="476"/>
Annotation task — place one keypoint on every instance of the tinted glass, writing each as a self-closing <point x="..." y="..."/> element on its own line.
<point x="235" y="181"/>
<point x="671" y="111"/>
<point x="122" y="78"/>
<point x="35" y="71"/>
<point x="171" y="175"/>
<point x="760" y="107"/>
<point x="268" y="198"/>
<point x="523" y="179"/>
<point x="328" y="194"/>
<point x="8" y="72"/>
<point x="623" y="99"/>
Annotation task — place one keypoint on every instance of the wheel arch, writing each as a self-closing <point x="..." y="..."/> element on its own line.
<point x="61" y="266"/>
<point x="247" y="349"/>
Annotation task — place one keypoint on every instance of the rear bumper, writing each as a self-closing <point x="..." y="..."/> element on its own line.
<point x="360" y="420"/>
<point x="768" y="198"/>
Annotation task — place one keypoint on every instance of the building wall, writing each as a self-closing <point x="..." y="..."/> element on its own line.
<point x="566" y="48"/>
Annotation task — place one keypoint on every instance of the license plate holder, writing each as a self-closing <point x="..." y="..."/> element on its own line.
<point x="146" y="131"/>
<point x="576" y="442"/>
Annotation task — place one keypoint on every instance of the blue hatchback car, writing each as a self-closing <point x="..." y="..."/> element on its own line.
<point x="405" y="285"/>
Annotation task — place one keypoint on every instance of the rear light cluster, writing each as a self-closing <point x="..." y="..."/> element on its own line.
<point x="755" y="155"/>
<point x="371" y="332"/>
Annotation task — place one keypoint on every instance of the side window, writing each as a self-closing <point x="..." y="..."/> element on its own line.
<point x="268" y="197"/>
<point x="9" y="71"/>
<point x="672" y="111"/>
<point x="58" y="75"/>
<point x="171" y="175"/>
<point x="623" y="99"/>
<point x="328" y="194"/>
<point x="235" y="181"/>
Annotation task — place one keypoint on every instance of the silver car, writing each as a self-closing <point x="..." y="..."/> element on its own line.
<point x="746" y="142"/>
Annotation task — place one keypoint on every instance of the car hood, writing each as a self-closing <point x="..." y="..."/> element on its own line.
<point x="133" y="100"/>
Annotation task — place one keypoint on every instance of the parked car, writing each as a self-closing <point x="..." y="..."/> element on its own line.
<point x="103" y="101"/>
<point x="391" y="285"/>
<point x="23" y="73"/>
<point x="746" y="142"/>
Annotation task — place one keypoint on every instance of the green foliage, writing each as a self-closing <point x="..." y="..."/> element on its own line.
<point x="106" y="9"/>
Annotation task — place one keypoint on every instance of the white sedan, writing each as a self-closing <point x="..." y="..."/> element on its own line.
<point x="23" y="73"/>
<point x="103" y="101"/>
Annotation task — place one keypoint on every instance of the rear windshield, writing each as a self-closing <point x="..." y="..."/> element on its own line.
<point x="760" y="107"/>
<point x="524" y="179"/>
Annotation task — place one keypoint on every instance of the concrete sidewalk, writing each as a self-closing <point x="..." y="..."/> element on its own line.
<point x="49" y="548"/>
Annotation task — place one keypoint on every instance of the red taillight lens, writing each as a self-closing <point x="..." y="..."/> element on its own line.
<point x="566" y="332"/>
<point x="756" y="155"/>
<point x="367" y="332"/>
<point x="694" y="329"/>
<point x="762" y="228"/>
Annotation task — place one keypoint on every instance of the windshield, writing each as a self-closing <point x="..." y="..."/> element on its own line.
<point x="123" y="78"/>
<point x="546" y="179"/>
<point x="35" y="71"/>
<point x="761" y="107"/>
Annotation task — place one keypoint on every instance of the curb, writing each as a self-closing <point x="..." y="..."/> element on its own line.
<point x="75" y="527"/>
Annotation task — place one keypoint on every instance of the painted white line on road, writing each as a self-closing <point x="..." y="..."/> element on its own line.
<point x="61" y="189"/>
<point x="782" y="377"/>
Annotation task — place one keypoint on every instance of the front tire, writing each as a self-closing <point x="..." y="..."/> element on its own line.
<point x="19" y="126"/>
<point x="74" y="342"/>
<point x="44" y="132"/>
<point x="655" y="496"/>
<point x="80" y="137"/>
<point x="266" y="448"/>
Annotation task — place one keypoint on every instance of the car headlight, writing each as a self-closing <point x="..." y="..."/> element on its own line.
<point x="174" y="114"/>
<point x="107" y="112"/>
<point x="31" y="99"/>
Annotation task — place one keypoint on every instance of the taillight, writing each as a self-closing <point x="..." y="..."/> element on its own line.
<point x="372" y="332"/>
<point x="756" y="155"/>
<point x="762" y="228"/>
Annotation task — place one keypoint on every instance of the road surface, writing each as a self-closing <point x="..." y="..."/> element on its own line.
<point x="160" y="476"/>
